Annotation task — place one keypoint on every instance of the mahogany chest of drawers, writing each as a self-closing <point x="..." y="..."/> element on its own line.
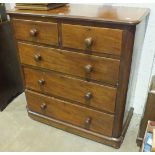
<point x="76" y="64"/>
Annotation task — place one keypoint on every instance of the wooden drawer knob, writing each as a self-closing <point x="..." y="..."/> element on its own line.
<point x="41" y="82"/>
<point x="88" y="42"/>
<point x="37" y="57"/>
<point x="88" y="122"/>
<point x="88" y="68"/>
<point x="43" y="106"/>
<point x="88" y="95"/>
<point x="33" y="32"/>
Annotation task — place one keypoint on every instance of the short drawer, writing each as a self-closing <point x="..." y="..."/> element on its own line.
<point x="71" y="113"/>
<point x="87" y="93"/>
<point x="100" y="40"/>
<point x="81" y="65"/>
<point x="36" y="31"/>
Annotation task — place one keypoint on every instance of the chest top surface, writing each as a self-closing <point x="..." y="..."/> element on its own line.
<point x="104" y="13"/>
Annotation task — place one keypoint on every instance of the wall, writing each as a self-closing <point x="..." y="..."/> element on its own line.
<point x="9" y="5"/>
<point x="142" y="72"/>
<point x="143" y="63"/>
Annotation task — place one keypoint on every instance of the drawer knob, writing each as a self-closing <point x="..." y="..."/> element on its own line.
<point x="37" y="57"/>
<point x="33" y="32"/>
<point x="88" y="122"/>
<point x="88" y="96"/>
<point x="88" y="68"/>
<point x="41" y="82"/>
<point x="88" y="42"/>
<point x="43" y="106"/>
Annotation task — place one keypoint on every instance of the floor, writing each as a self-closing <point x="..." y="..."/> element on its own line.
<point x="20" y="133"/>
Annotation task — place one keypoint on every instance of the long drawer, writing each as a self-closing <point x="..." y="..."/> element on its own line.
<point x="77" y="64"/>
<point x="100" y="40"/>
<point x="71" y="113"/>
<point x="87" y="93"/>
<point x="36" y="31"/>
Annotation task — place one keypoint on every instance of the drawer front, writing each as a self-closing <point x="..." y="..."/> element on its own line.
<point x="36" y="31"/>
<point x="81" y="65"/>
<point x="102" y="40"/>
<point x="88" y="93"/>
<point x="71" y="113"/>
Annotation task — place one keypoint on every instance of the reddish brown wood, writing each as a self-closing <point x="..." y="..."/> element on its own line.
<point x="83" y="68"/>
<point x="103" y="97"/>
<point x="104" y="40"/>
<point x="134" y="38"/>
<point x="126" y="58"/>
<point x="100" y="13"/>
<point x="36" y="31"/>
<point x="71" y="113"/>
<point x="103" y="69"/>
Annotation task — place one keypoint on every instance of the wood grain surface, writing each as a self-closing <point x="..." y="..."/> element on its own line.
<point x="103" y="69"/>
<point x="104" y="40"/>
<point x="71" y="113"/>
<point x="102" y="97"/>
<point x="46" y="32"/>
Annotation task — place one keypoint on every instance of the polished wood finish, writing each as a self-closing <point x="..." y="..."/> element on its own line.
<point x="101" y="97"/>
<point x="71" y="63"/>
<point x="35" y="31"/>
<point x="89" y="68"/>
<point x="99" y="13"/>
<point x="102" y="40"/>
<point x="125" y="65"/>
<point x="135" y="36"/>
<point x="111" y="141"/>
<point x="71" y="113"/>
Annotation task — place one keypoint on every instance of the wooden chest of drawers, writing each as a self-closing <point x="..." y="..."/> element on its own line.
<point x="76" y="64"/>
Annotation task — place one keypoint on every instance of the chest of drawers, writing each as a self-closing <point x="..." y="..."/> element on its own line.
<point x="76" y="64"/>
